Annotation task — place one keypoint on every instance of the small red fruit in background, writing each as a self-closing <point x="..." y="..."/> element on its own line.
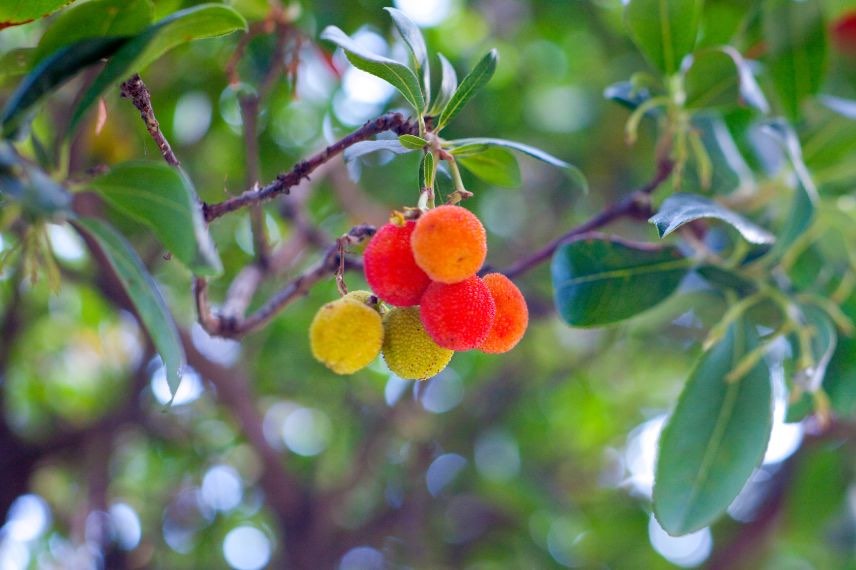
<point x="390" y="269"/>
<point x="512" y="315"/>
<point x="458" y="316"/>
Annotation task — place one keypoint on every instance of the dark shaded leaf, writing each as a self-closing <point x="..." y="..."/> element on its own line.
<point x="664" y="30"/>
<point x="50" y="74"/>
<point x="715" y="437"/>
<point x="163" y="199"/>
<point x="599" y="280"/>
<point x="144" y="294"/>
<point x="679" y="209"/>
<point x="198" y="22"/>
<point x="96" y="18"/>
<point x="627" y="94"/>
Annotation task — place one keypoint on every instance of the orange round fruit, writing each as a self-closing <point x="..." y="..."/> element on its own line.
<point x="449" y="244"/>
<point x="458" y="316"/>
<point x="512" y="315"/>
<point x="389" y="266"/>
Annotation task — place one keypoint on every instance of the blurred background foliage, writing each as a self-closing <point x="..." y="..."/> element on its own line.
<point x="539" y="458"/>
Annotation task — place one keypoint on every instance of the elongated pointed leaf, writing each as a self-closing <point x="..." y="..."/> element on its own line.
<point x="412" y="142"/>
<point x="396" y="74"/>
<point x="494" y="165"/>
<point x="475" y="80"/>
<point x="415" y="42"/>
<point x="198" y="22"/>
<point x="17" y="12"/>
<point x="627" y="94"/>
<point x="363" y="148"/>
<point x="664" y="30"/>
<point x="715" y="438"/>
<point x="50" y="74"/>
<point x="144" y="294"/>
<point x="163" y="199"/>
<point x="599" y="280"/>
<point x="448" y="85"/>
<point x="720" y="77"/>
<point x="477" y="144"/>
<point x="679" y="209"/>
<point x="96" y="18"/>
<point x="795" y="35"/>
<point x="804" y="203"/>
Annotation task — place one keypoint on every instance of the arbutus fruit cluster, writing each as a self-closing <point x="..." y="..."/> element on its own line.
<point x="427" y="299"/>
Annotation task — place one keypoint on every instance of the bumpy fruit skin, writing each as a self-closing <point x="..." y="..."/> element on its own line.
<point x="458" y="316"/>
<point x="449" y="244"/>
<point x="512" y="315"/>
<point x="407" y="349"/>
<point x="346" y="334"/>
<point x="390" y="269"/>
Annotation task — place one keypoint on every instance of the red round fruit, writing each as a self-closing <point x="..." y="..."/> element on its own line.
<point x="512" y="315"/>
<point x="458" y="316"/>
<point x="390" y="269"/>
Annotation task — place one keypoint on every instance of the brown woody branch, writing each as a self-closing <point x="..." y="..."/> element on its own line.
<point x="395" y="122"/>
<point x="233" y="326"/>
<point x="135" y="90"/>
<point x="635" y="205"/>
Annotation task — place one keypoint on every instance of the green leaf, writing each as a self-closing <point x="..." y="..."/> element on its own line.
<point x="412" y="142"/>
<point x="396" y="74"/>
<point x="720" y="77"/>
<point x="494" y="165"/>
<point x="143" y="293"/>
<point x="723" y="277"/>
<point x="462" y="147"/>
<point x="38" y="193"/>
<point x="17" y="12"/>
<point x="599" y="280"/>
<point x="427" y="169"/>
<point x="448" y="85"/>
<point x="198" y="22"/>
<point x="96" y="18"/>
<point x="15" y="63"/>
<point x="627" y="94"/>
<point x="52" y="72"/>
<point x="805" y="200"/>
<point x="475" y="80"/>
<point x="679" y="209"/>
<point x="824" y="338"/>
<point x="163" y="199"/>
<point x="415" y="42"/>
<point x="363" y="148"/>
<point x="795" y="35"/>
<point x="664" y="30"/>
<point x="715" y="438"/>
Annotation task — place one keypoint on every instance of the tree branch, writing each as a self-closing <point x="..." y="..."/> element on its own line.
<point x="135" y="90"/>
<point x="395" y="122"/>
<point x="636" y="205"/>
<point x="233" y="326"/>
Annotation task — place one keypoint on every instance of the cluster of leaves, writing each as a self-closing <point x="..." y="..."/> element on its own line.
<point x="158" y="196"/>
<point x="721" y="425"/>
<point x="487" y="158"/>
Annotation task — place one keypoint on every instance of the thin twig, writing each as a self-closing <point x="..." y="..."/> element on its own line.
<point x="637" y="205"/>
<point x="395" y="122"/>
<point x="135" y="90"/>
<point x="233" y="326"/>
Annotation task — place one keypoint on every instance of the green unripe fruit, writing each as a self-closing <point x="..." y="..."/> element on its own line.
<point x="346" y="334"/>
<point x="407" y="349"/>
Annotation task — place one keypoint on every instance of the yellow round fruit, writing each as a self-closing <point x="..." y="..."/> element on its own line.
<point x="407" y="349"/>
<point x="346" y="334"/>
